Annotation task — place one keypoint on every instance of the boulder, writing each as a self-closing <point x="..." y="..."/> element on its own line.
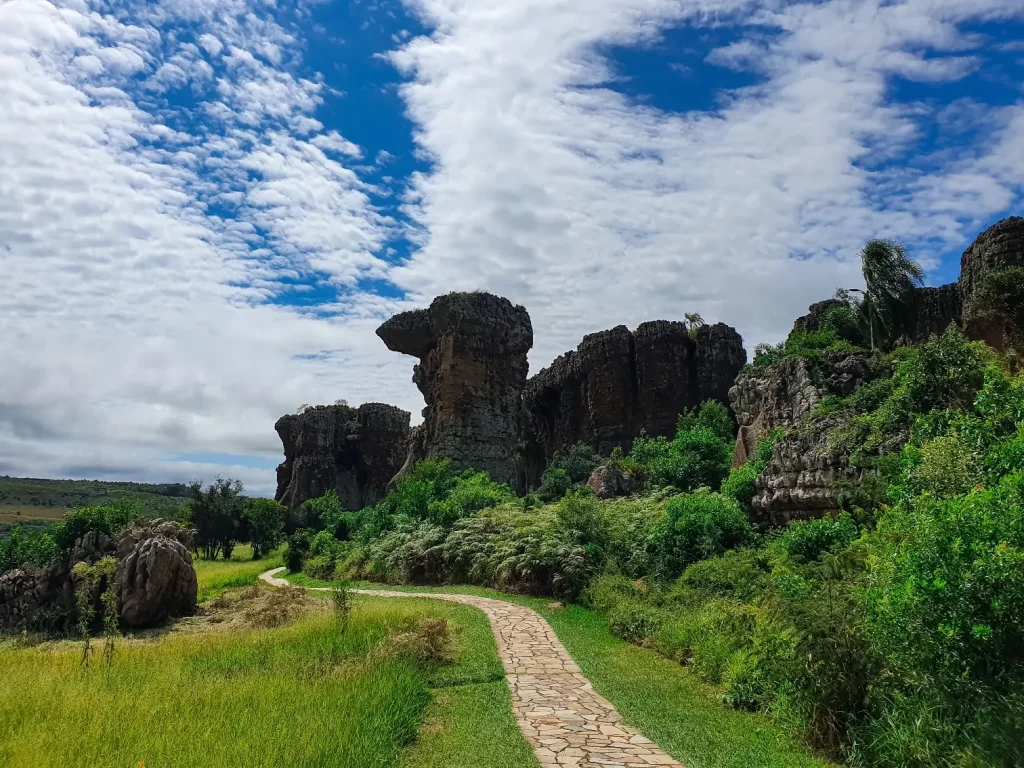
<point x="617" y="383"/>
<point x="155" y="576"/>
<point x="354" y="451"/>
<point x="472" y="350"/>
<point x="609" y="481"/>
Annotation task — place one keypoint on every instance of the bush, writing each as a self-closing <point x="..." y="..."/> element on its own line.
<point x="21" y="548"/>
<point x="635" y="622"/>
<point x="568" y="469"/>
<point x="946" y="591"/>
<point x="108" y="519"/>
<point x="741" y="574"/>
<point x="741" y="484"/>
<point x="698" y="526"/>
<point x="296" y="548"/>
<point x="809" y="539"/>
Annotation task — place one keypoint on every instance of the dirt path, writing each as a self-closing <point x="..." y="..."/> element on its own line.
<point x="563" y="719"/>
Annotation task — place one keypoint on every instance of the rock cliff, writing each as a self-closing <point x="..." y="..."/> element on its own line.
<point x="355" y="451"/>
<point x="997" y="248"/>
<point x="473" y="364"/>
<point x="617" y="383"/>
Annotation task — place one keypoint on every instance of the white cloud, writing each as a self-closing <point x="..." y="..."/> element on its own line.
<point x="141" y="242"/>
<point x="555" y="190"/>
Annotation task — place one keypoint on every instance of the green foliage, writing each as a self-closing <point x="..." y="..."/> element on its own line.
<point x="324" y="512"/>
<point x="568" y="470"/>
<point x="108" y="519"/>
<point x="264" y="523"/>
<point x="697" y="526"/>
<point x="809" y="539"/>
<point x="711" y="415"/>
<point x="23" y="547"/>
<point x="216" y="513"/>
<point x="153" y="500"/>
<point x="891" y="277"/>
<point x="296" y="548"/>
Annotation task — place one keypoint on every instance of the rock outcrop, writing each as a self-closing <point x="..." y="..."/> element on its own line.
<point x="155" y="576"/>
<point x="609" y="482"/>
<point x="473" y="365"/>
<point x="617" y="383"/>
<point x="355" y="451"/>
<point x="801" y="479"/>
<point x="999" y="247"/>
<point x="155" y="579"/>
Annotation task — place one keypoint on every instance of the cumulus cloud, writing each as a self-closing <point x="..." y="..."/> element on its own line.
<point x="148" y="242"/>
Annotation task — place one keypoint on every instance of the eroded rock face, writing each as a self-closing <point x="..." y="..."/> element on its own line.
<point x="802" y="479"/>
<point x="355" y="451"/>
<point x="473" y="364"/>
<point x="155" y="576"/>
<point x="617" y="383"/>
<point x="999" y="247"/>
<point x="802" y="476"/>
<point x="609" y="482"/>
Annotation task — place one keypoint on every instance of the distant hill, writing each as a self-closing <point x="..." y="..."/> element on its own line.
<point x="27" y="499"/>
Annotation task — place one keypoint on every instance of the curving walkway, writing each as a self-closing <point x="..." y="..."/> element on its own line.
<point x="561" y="716"/>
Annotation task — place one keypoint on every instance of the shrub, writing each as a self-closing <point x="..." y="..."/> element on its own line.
<point x="108" y="519"/>
<point x="635" y="622"/>
<point x="695" y="458"/>
<point x="947" y="589"/>
<point x="20" y="548"/>
<point x="809" y="539"/>
<point x="296" y="548"/>
<point x="708" y="637"/>
<point x="741" y="484"/>
<point x="711" y="415"/>
<point x="697" y="526"/>
<point x="741" y="574"/>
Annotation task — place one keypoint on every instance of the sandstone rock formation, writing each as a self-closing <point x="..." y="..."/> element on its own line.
<point x="155" y="579"/>
<point x="155" y="576"/>
<point x="997" y="248"/>
<point x="801" y="478"/>
<point x="472" y="350"/>
<point x="355" y="451"/>
<point x="617" y="383"/>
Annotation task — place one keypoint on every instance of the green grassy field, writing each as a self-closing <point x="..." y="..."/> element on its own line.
<point x="14" y="514"/>
<point x="38" y="498"/>
<point x="216" y="576"/>
<point x="684" y="716"/>
<point x="301" y="695"/>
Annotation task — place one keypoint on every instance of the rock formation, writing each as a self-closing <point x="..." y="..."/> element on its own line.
<point x="617" y="383"/>
<point x="355" y="451"/>
<point x="609" y="481"/>
<point x="472" y="350"/>
<point x="800" y="480"/>
<point x="155" y="579"/>
<point x="997" y="248"/>
<point x="155" y="575"/>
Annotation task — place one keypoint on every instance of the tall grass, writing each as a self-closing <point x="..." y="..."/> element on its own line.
<point x="305" y="695"/>
<point x="216" y="576"/>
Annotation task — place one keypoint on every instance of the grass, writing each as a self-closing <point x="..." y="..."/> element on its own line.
<point x="684" y="716"/>
<point x="217" y="576"/>
<point x="304" y="695"/>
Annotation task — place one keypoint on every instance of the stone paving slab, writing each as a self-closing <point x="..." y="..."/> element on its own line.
<point x="565" y="721"/>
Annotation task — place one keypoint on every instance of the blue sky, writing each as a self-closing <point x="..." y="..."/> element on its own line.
<point x="207" y="206"/>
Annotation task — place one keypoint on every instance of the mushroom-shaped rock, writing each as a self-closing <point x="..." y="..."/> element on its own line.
<point x="472" y="350"/>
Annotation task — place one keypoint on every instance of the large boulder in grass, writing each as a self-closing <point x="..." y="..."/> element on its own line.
<point x="156" y="579"/>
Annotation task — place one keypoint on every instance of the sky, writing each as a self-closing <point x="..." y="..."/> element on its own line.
<point x="208" y="206"/>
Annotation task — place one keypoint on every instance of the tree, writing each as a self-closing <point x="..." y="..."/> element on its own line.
<point x="216" y="514"/>
<point x="264" y="519"/>
<point x="891" y="277"/>
<point x="693" y="321"/>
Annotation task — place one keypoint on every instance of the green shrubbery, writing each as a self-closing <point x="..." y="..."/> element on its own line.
<point x="699" y="456"/>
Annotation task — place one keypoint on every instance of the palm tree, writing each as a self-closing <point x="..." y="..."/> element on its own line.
<point x="891" y="277"/>
<point x="694" y="321"/>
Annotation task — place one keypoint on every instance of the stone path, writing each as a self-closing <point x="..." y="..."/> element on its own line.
<point x="559" y="713"/>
